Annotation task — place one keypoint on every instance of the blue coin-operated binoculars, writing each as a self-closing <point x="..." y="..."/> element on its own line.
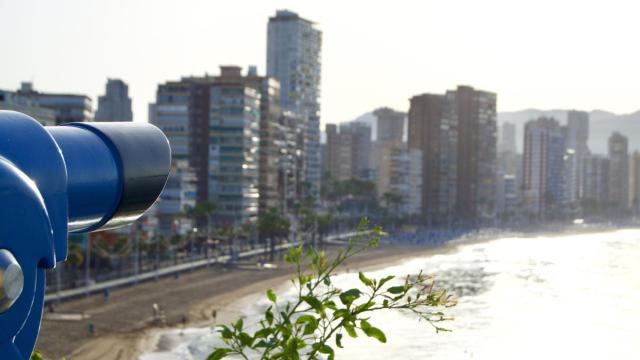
<point x="80" y="177"/>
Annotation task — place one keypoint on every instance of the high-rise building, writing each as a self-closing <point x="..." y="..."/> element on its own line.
<point x="234" y="133"/>
<point x="390" y="124"/>
<point x="619" y="172"/>
<point x="67" y="107"/>
<point x="400" y="177"/>
<point x="457" y="134"/>
<point x="272" y="134"/>
<point x="634" y="182"/>
<point x="596" y="184"/>
<point x="339" y="154"/>
<point x="360" y="139"/>
<point x="433" y="131"/>
<point x="475" y="115"/>
<point x="331" y="150"/>
<point x="348" y="151"/>
<point x="293" y="58"/>
<point x="115" y="105"/>
<point x="543" y="168"/>
<point x="243" y="149"/>
<point x="170" y="113"/>
<point x="507" y="197"/>
<point x="291" y="160"/>
<point x="508" y="138"/>
<point x="578" y="151"/>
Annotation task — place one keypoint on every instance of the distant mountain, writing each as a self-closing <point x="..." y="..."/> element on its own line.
<point x="602" y="124"/>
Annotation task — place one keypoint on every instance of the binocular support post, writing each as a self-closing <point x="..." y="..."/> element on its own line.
<point x="80" y="177"/>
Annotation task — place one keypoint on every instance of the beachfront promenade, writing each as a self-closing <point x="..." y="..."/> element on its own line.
<point x="173" y="270"/>
<point x="125" y="320"/>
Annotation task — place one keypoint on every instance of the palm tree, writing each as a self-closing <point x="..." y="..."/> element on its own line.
<point x="324" y="223"/>
<point x="273" y="226"/>
<point x="202" y="210"/>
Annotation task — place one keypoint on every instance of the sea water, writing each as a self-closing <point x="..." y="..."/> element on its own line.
<point x="546" y="297"/>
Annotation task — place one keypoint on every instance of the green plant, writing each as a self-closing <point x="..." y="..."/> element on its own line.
<point x="272" y="225"/>
<point x="320" y="314"/>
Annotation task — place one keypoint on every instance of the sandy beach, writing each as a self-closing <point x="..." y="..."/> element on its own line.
<point x="124" y="324"/>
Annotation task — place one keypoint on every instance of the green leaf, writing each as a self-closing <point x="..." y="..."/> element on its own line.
<point x="324" y="349"/>
<point x="239" y="324"/>
<point x="268" y="315"/>
<point x="351" y="330"/>
<point x="310" y="328"/>
<point x="339" y="341"/>
<point x="330" y="304"/>
<point x="349" y="296"/>
<point x="271" y="296"/>
<point x="340" y="313"/>
<point x="376" y="334"/>
<point x="262" y="333"/>
<point x="313" y="302"/>
<point x="364" y="279"/>
<point x="305" y="319"/>
<point x="219" y="354"/>
<point x="225" y="332"/>
<point x="396" y="290"/>
<point x="385" y="280"/>
<point x="36" y="356"/>
<point x="245" y="339"/>
<point x="365" y="306"/>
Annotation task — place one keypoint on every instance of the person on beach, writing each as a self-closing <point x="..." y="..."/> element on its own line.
<point x="184" y="324"/>
<point x="214" y="314"/>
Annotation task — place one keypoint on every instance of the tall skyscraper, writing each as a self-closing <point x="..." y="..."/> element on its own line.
<point x="578" y="149"/>
<point x="543" y="167"/>
<point x="115" y="105"/>
<point x="293" y="58"/>
<point x="433" y="131"/>
<point x="390" y="124"/>
<point x="619" y="172"/>
<point x="508" y="138"/>
<point x="475" y="115"/>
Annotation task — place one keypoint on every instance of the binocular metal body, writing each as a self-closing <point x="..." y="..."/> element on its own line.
<point x="79" y="177"/>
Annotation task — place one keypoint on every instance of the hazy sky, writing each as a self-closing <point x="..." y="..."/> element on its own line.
<point x="543" y="53"/>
